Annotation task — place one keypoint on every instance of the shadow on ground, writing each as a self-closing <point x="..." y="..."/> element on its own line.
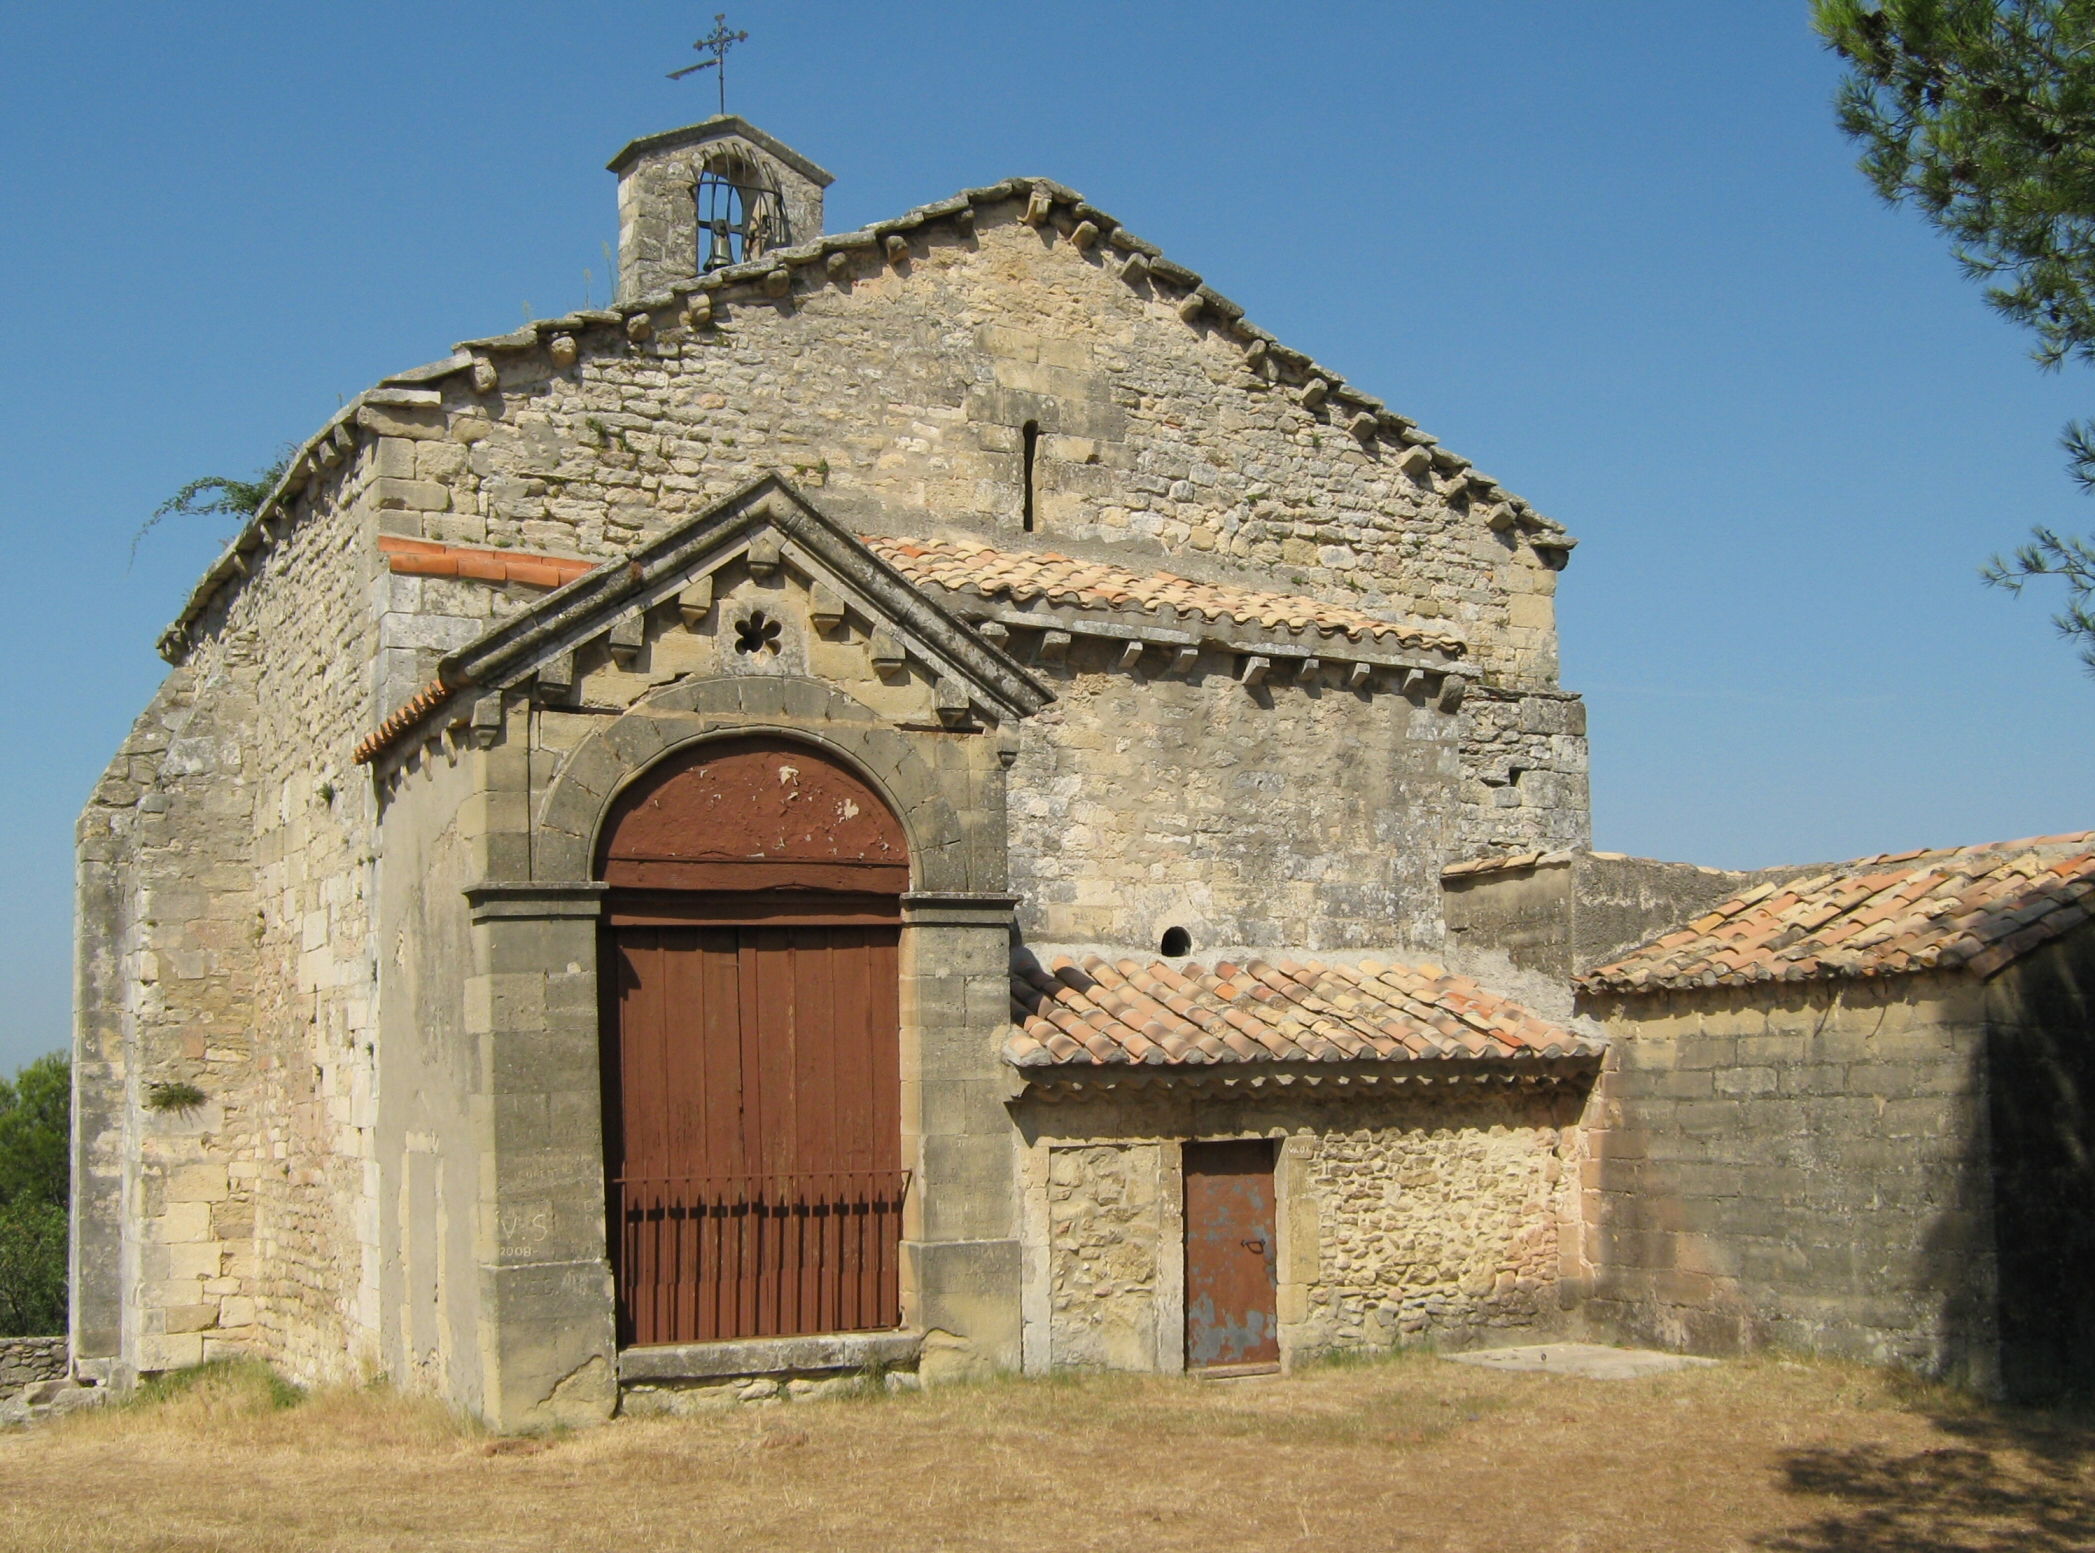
<point x="2016" y="1483"/>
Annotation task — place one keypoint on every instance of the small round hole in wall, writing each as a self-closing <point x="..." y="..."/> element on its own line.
<point x="1177" y="943"/>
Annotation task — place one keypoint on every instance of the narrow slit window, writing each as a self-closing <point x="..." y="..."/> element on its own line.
<point x="1032" y="447"/>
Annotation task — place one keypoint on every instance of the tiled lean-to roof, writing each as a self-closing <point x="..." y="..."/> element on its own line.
<point x="963" y="566"/>
<point x="1095" y="1014"/>
<point x="1971" y="908"/>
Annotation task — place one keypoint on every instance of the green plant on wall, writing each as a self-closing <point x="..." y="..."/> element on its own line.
<point x="214" y="494"/>
<point x="35" y="1180"/>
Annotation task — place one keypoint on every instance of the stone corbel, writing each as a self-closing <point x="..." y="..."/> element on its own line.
<point x="825" y="607"/>
<point x="556" y="678"/>
<point x="888" y="654"/>
<point x="627" y="638"/>
<point x="765" y="555"/>
<point x="949" y="699"/>
<point x="485" y="725"/>
<point x="695" y="602"/>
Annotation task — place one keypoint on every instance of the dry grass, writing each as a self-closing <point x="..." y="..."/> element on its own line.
<point x="1408" y="1454"/>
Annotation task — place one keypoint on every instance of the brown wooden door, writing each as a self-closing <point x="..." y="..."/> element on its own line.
<point x="1231" y="1312"/>
<point x="754" y="1146"/>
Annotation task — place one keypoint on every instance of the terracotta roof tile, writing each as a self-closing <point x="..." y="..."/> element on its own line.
<point x="1100" y="1014"/>
<point x="1977" y="907"/>
<point x="426" y="558"/>
<point x="403" y="717"/>
<point x="965" y="566"/>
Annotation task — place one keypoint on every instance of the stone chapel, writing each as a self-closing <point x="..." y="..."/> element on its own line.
<point x="929" y="800"/>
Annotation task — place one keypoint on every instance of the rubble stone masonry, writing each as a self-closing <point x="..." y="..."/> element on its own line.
<point x="1443" y="1219"/>
<point x="228" y="858"/>
<point x="898" y="397"/>
<point x="26" y="1360"/>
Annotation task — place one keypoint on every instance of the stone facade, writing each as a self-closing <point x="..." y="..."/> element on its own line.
<point x="1309" y="816"/>
<point x="338" y="882"/>
<point x="338" y="1088"/>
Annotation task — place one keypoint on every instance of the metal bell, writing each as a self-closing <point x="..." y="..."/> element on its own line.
<point x="722" y="254"/>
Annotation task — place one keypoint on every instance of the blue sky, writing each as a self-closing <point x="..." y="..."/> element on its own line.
<point x="1616" y="254"/>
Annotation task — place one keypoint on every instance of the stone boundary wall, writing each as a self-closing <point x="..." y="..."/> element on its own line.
<point x="26" y="1360"/>
<point x="1805" y="1167"/>
<point x="1566" y="912"/>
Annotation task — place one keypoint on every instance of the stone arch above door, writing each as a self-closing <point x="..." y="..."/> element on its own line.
<point x="927" y="797"/>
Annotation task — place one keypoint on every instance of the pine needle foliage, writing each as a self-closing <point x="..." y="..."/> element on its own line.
<point x="2051" y="555"/>
<point x="1981" y="115"/>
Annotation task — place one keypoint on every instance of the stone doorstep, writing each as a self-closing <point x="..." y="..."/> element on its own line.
<point x="753" y="1358"/>
<point x="1235" y="1371"/>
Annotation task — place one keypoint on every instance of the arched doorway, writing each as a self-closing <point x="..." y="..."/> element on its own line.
<point x="751" y="1046"/>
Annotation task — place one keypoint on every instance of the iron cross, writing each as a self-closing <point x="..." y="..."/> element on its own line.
<point x="719" y="41"/>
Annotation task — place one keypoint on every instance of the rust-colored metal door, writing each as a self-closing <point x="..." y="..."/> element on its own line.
<point x="1231" y="1312"/>
<point x="755" y="1143"/>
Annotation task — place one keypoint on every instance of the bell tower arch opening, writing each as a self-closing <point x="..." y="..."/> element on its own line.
<point x="695" y="199"/>
<point x="750" y="1036"/>
<point x="740" y="212"/>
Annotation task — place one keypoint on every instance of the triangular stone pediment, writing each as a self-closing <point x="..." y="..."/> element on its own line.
<point x="765" y="536"/>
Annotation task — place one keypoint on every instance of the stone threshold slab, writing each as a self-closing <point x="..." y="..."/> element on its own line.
<point x="756" y="1356"/>
<point x="1589" y="1361"/>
